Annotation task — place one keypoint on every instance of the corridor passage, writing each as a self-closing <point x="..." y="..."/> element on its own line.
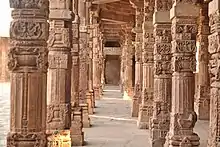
<point x="112" y="125"/>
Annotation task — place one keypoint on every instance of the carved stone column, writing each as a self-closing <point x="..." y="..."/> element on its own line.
<point x="83" y="66"/>
<point x="96" y="62"/>
<point x="122" y="70"/>
<point x="27" y="62"/>
<point x="91" y="91"/>
<point x="146" y="106"/>
<point x="138" y="59"/>
<point x="128" y="53"/>
<point x="214" y="64"/>
<point x="59" y="72"/>
<point x="77" y="135"/>
<point x="162" y="72"/>
<point x="182" y="117"/>
<point x="89" y="94"/>
<point x="202" y="99"/>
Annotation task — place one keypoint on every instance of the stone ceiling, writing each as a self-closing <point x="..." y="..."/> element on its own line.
<point x="113" y="15"/>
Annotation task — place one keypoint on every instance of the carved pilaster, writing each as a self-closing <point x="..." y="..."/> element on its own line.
<point x="138" y="59"/>
<point x="182" y="117"/>
<point x="202" y="98"/>
<point x="146" y="106"/>
<point x="214" y="64"/>
<point x="77" y="135"/>
<point x="27" y="62"/>
<point x="162" y="73"/>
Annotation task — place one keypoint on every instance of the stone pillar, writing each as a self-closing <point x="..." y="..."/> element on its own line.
<point x="128" y="53"/>
<point x="122" y="71"/>
<point x="91" y="91"/>
<point x="138" y="59"/>
<point x="214" y="43"/>
<point x="146" y="106"/>
<point x="59" y="72"/>
<point x="83" y="66"/>
<point x="162" y="73"/>
<point x="27" y="62"/>
<point x="183" y="117"/>
<point x="89" y="94"/>
<point x="202" y="99"/>
<point x="77" y="135"/>
<point x="96" y="62"/>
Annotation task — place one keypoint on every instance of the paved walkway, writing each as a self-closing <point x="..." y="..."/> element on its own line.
<point x="112" y="125"/>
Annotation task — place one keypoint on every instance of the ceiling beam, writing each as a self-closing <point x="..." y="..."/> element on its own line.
<point x="113" y="16"/>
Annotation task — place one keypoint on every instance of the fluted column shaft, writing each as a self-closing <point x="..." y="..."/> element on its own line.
<point x="202" y="99"/>
<point x="27" y="62"/>
<point x="146" y="106"/>
<point x="183" y="118"/>
<point x="214" y="43"/>
<point x="138" y="60"/>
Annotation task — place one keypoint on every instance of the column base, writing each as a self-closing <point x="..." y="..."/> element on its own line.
<point x="158" y="131"/>
<point x="144" y="116"/>
<point x="85" y="113"/>
<point x="27" y="139"/>
<point x="135" y="107"/>
<point x="97" y="93"/>
<point x="89" y="102"/>
<point x="76" y="133"/>
<point x="182" y="140"/>
<point x="60" y="138"/>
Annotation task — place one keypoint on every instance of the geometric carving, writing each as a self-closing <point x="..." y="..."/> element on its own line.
<point x="59" y="37"/>
<point x="58" y="61"/>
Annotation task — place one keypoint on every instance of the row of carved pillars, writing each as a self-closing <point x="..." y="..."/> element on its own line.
<point x="55" y="71"/>
<point x="165" y="54"/>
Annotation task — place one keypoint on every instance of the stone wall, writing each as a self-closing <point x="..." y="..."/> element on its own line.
<point x="4" y="73"/>
<point x="112" y="69"/>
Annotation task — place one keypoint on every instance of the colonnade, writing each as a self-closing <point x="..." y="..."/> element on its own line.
<point x="57" y="69"/>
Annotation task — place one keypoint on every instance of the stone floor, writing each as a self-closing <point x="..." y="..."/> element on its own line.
<point x="112" y="125"/>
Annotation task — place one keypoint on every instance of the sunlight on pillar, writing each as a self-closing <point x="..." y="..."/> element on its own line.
<point x="59" y="139"/>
